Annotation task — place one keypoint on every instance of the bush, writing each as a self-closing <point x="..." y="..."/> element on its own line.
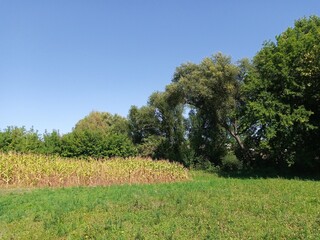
<point x="20" y="140"/>
<point x="96" y="144"/>
<point x="119" y="145"/>
<point x="231" y="163"/>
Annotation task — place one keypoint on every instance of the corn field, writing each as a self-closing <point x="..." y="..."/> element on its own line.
<point x="34" y="170"/>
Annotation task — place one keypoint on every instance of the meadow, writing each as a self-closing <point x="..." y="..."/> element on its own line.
<point x="205" y="207"/>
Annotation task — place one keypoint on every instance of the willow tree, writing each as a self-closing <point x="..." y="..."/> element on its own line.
<point x="211" y="90"/>
<point x="158" y="128"/>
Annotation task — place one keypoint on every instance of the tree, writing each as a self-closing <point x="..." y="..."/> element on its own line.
<point x="99" y="135"/>
<point x="51" y="142"/>
<point x="142" y="123"/>
<point x="168" y="113"/>
<point x="158" y="128"/>
<point x="20" y="140"/>
<point x="283" y="98"/>
<point x="103" y="122"/>
<point x="212" y="90"/>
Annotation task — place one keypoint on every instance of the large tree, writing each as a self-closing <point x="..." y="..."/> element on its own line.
<point x="103" y="122"/>
<point x="283" y="98"/>
<point x="158" y="128"/>
<point x="211" y="90"/>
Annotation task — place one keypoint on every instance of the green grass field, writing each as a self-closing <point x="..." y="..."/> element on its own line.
<point x="207" y="207"/>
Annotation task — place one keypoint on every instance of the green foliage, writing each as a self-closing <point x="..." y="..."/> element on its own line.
<point x="211" y="89"/>
<point x="83" y="143"/>
<point x="52" y="143"/>
<point x="150" y="146"/>
<point x="158" y="128"/>
<point x="283" y="98"/>
<point x="103" y="122"/>
<point x="207" y="207"/>
<point x="117" y="145"/>
<point x="19" y="139"/>
<point x="143" y="123"/>
<point x="97" y="145"/>
<point x="231" y="163"/>
<point x="206" y="138"/>
<point x="168" y="112"/>
<point x="98" y="135"/>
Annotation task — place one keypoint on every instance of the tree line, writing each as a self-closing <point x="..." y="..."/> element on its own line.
<point x="259" y="113"/>
<point x="98" y="135"/>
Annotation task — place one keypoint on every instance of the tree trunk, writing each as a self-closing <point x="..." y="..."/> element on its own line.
<point x="234" y="134"/>
<point x="238" y="139"/>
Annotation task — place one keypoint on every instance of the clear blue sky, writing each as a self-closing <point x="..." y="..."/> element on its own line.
<point x="61" y="59"/>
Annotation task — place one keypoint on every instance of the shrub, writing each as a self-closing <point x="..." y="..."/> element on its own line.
<point x="230" y="162"/>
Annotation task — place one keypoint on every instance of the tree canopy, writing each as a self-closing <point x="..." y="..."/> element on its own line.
<point x="282" y="97"/>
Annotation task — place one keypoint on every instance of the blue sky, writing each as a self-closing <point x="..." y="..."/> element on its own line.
<point x="61" y="59"/>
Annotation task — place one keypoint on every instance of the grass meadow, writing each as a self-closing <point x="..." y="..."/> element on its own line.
<point x="205" y="207"/>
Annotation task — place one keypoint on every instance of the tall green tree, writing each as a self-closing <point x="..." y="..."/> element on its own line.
<point x="103" y="122"/>
<point x="212" y="90"/>
<point x="283" y="98"/>
<point x="143" y="123"/>
<point x="158" y="128"/>
<point x="168" y="112"/>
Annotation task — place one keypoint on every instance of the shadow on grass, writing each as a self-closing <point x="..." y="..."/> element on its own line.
<point x="268" y="173"/>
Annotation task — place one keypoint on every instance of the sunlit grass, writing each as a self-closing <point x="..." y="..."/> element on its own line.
<point x="32" y="170"/>
<point x="207" y="207"/>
